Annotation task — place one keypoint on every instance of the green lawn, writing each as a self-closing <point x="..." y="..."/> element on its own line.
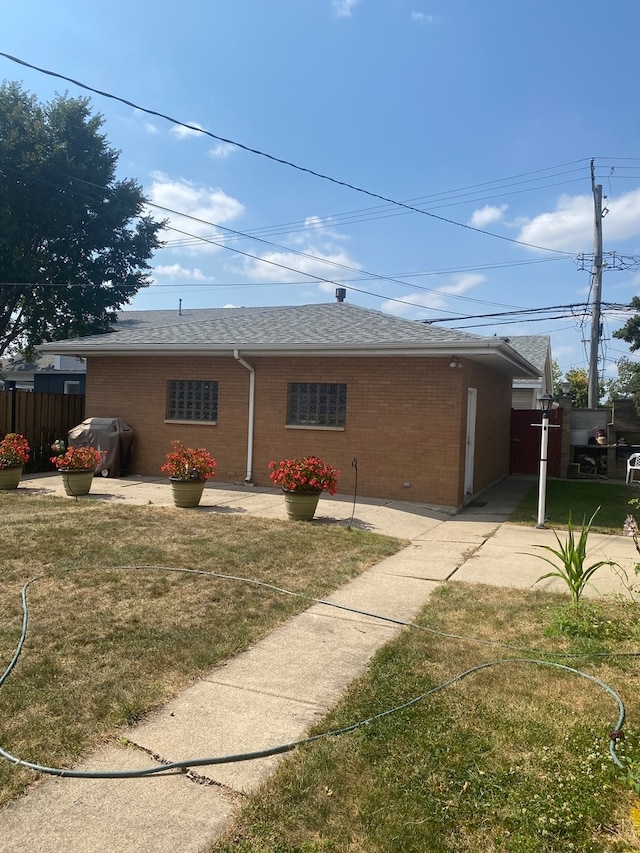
<point x="580" y="498"/>
<point x="109" y="639"/>
<point x="513" y="758"/>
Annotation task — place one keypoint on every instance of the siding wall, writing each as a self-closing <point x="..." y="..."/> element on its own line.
<point x="406" y="419"/>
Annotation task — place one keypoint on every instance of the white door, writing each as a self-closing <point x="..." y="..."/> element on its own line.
<point x="472" y="400"/>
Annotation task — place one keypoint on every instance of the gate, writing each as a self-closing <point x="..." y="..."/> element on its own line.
<point x="524" y="456"/>
<point x="41" y="418"/>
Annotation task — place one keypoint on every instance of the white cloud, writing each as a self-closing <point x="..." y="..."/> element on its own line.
<point x="178" y="271"/>
<point x="269" y="266"/>
<point x="486" y="215"/>
<point x="420" y="16"/>
<point x="319" y="229"/>
<point x="150" y="128"/>
<point x="222" y="150"/>
<point x="420" y="306"/>
<point x="321" y="251"/>
<point x="343" y="7"/>
<point x="183" y="132"/>
<point x="209" y="204"/>
<point x="570" y="226"/>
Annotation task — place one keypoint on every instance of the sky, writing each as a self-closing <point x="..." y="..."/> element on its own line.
<point x="433" y="157"/>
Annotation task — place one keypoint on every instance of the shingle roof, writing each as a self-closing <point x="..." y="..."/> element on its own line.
<point x="535" y="348"/>
<point x="332" y="324"/>
<point x="326" y="329"/>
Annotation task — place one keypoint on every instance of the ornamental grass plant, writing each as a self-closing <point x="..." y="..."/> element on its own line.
<point x="188" y="463"/>
<point x="570" y="560"/>
<point x="307" y="474"/>
<point x="14" y="450"/>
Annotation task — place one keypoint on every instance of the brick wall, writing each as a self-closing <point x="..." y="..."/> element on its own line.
<point x="406" y="419"/>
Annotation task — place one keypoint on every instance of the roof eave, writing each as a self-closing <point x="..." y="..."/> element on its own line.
<point x="499" y="355"/>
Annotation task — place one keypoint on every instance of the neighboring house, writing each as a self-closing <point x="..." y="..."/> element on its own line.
<point x="424" y="410"/>
<point x="537" y="350"/>
<point x="53" y="374"/>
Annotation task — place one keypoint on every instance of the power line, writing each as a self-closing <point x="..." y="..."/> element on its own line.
<point x="234" y="232"/>
<point x="279" y="160"/>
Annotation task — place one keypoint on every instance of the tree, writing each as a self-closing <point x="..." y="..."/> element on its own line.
<point x="74" y="241"/>
<point x="556" y="373"/>
<point x="630" y="332"/>
<point x="628" y="382"/>
<point x="579" y="379"/>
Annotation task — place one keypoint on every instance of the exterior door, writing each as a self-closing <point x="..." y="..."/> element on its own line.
<point x="472" y="402"/>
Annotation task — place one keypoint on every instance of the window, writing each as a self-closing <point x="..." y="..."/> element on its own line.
<point x="317" y="404"/>
<point x="189" y="400"/>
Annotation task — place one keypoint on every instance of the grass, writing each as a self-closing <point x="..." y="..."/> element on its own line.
<point x="513" y="758"/>
<point x="105" y="643"/>
<point x="580" y="498"/>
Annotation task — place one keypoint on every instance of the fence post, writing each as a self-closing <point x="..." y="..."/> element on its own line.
<point x="10" y="385"/>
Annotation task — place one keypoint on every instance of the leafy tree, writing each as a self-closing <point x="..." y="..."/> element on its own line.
<point x="556" y="373"/>
<point x="74" y="241"/>
<point x="579" y="379"/>
<point x="630" y="332"/>
<point x="628" y="382"/>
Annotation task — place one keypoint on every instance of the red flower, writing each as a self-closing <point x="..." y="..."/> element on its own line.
<point x="14" y="450"/>
<point x="308" y="474"/>
<point x="188" y="463"/>
<point x="77" y="458"/>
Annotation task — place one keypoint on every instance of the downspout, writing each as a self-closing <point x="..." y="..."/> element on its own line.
<point x="252" y="396"/>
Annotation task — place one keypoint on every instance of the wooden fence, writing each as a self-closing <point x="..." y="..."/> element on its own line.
<point x="41" y="418"/>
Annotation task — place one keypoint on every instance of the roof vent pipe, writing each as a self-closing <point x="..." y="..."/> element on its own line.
<point x="341" y="293"/>
<point x="179" y="307"/>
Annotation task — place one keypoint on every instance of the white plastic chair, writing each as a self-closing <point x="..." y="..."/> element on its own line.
<point x="633" y="464"/>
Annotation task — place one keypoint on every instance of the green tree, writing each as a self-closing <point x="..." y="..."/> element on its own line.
<point x="628" y="382"/>
<point x="556" y="372"/>
<point x="630" y="332"/>
<point x="579" y="379"/>
<point x="74" y="241"/>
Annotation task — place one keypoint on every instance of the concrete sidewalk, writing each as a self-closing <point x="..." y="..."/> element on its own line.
<point x="276" y="690"/>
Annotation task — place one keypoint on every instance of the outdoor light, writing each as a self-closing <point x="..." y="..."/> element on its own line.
<point x="565" y="388"/>
<point x="545" y="403"/>
<point x="455" y="361"/>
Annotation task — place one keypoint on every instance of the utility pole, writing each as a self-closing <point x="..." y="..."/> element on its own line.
<point x="597" y="292"/>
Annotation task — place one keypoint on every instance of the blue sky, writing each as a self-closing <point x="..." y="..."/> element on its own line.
<point x="483" y="114"/>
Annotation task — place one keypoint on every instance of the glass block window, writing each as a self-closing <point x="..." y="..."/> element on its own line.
<point x="189" y="400"/>
<point x="317" y="404"/>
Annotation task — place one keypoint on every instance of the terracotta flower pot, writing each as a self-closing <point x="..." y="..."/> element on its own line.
<point x="77" y="482"/>
<point x="301" y="506"/>
<point x="187" y="493"/>
<point x="10" y="476"/>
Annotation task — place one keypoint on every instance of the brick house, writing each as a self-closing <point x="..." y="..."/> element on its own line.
<point x="424" y="410"/>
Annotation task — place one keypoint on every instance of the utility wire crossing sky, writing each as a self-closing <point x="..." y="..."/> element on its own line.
<point x="287" y="117"/>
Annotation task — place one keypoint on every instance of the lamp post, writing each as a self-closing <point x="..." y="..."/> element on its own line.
<point x="545" y="401"/>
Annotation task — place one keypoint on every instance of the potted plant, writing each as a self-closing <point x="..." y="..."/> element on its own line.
<point x="77" y="466"/>
<point x="14" y="452"/>
<point x="302" y="482"/>
<point x="188" y="468"/>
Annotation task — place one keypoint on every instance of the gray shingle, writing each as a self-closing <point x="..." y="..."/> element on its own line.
<point x="332" y="324"/>
<point x="325" y="329"/>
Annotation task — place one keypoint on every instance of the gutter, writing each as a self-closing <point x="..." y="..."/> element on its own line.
<point x="252" y="398"/>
